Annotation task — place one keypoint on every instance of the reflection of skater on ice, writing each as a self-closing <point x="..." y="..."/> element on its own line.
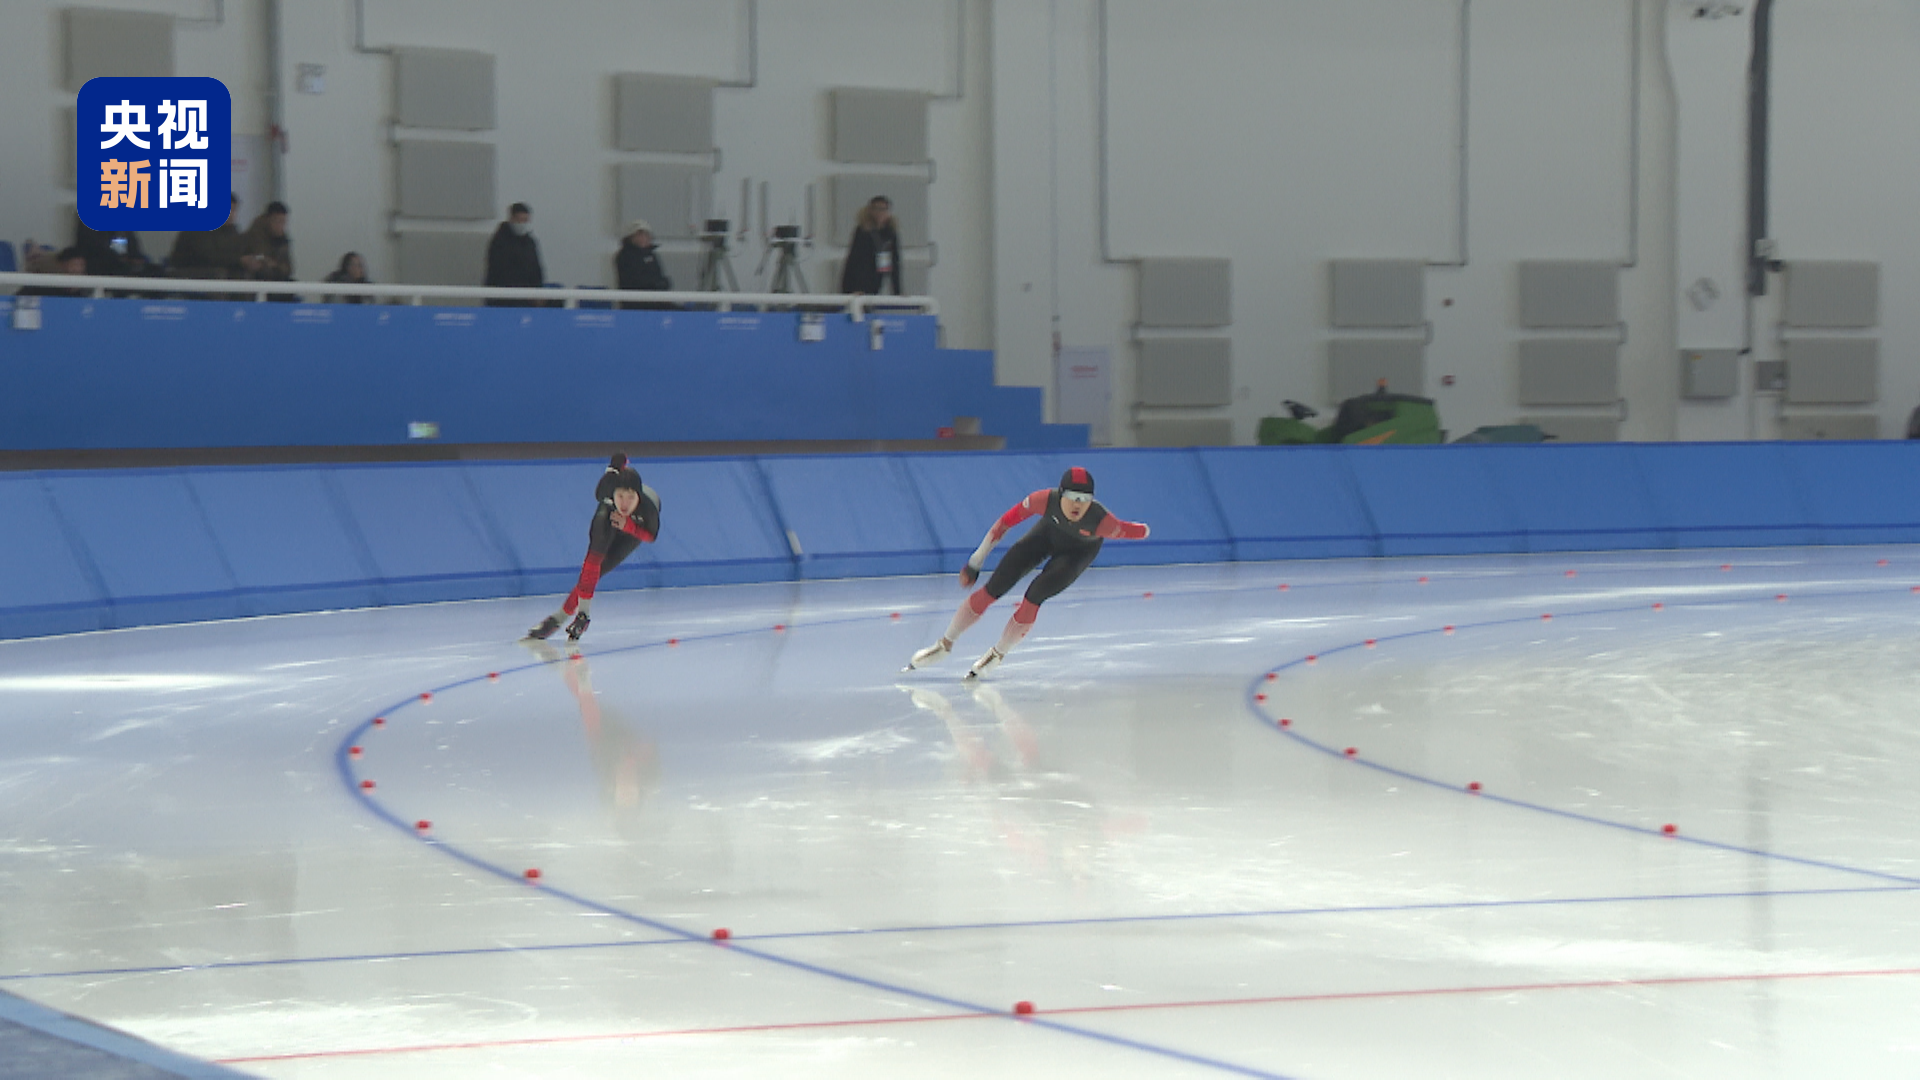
<point x="626" y="758"/>
<point x="981" y="761"/>
<point x="1071" y="529"/>
<point x="1047" y="814"/>
<point x="627" y="516"/>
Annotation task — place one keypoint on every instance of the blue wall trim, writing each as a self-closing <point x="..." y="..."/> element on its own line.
<point x="116" y="548"/>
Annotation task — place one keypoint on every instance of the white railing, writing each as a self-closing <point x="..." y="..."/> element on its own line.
<point x="315" y="291"/>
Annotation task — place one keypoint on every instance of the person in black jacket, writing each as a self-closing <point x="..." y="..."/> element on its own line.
<point x="110" y="254"/>
<point x="873" y="255"/>
<point x="513" y="257"/>
<point x="638" y="266"/>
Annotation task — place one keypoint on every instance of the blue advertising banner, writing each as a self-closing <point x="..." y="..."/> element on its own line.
<point x="153" y="154"/>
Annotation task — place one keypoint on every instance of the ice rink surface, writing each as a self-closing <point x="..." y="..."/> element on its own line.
<point x="1147" y="823"/>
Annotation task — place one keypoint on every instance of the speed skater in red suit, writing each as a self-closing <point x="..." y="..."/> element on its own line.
<point x="627" y="515"/>
<point x="1070" y="532"/>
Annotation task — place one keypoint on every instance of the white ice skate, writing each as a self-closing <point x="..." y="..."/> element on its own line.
<point x="930" y="655"/>
<point x="985" y="664"/>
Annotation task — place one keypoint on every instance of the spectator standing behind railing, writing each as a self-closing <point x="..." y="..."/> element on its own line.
<point x="352" y="271"/>
<point x="217" y="253"/>
<point x="638" y="266"/>
<point x="267" y="240"/>
<point x="513" y="257"/>
<point x="873" y="255"/>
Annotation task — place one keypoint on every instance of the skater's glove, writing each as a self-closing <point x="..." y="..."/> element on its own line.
<point x="968" y="575"/>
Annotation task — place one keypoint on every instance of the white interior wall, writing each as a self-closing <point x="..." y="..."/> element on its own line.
<point x="225" y="41"/>
<point x="1284" y="135"/>
<point x="1025" y="158"/>
<point x="1249" y="153"/>
<point x="1276" y="135"/>
<point x="1845" y="159"/>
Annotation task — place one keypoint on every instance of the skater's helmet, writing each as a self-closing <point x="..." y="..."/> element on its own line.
<point x="618" y="475"/>
<point x="1078" y="481"/>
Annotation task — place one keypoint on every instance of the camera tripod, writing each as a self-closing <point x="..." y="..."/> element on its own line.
<point x="716" y="269"/>
<point x="786" y="272"/>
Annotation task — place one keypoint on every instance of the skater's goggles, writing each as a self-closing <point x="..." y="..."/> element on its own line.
<point x="1080" y="497"/>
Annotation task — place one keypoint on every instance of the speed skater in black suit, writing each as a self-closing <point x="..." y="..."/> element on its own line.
<point x="627" y="515"/>
<point x="1070" y="532"/>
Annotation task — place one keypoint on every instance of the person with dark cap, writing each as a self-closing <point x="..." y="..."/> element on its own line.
<point x="1070" y="532"/>
<point x="513" y="257"/>
<point x="627" y="515"/>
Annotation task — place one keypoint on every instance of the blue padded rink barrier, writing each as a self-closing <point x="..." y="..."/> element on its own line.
<point x="1211" y="817"/>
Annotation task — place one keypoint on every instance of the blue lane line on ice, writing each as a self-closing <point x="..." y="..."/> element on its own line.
<point x="1413" y="577"/>
<point x="1260" y="710"/>
<point x="679" y="936"/>
<point x="1443" y="573"/>
<point x="343" y="765"/>
<point x="941" y="928"/>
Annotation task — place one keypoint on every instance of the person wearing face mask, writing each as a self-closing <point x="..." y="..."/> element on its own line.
<point x="1070" y="532"/>
<point x="513" y="257"/>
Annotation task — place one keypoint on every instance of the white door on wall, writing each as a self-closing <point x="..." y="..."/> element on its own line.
<point x="1083" y="391"/>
